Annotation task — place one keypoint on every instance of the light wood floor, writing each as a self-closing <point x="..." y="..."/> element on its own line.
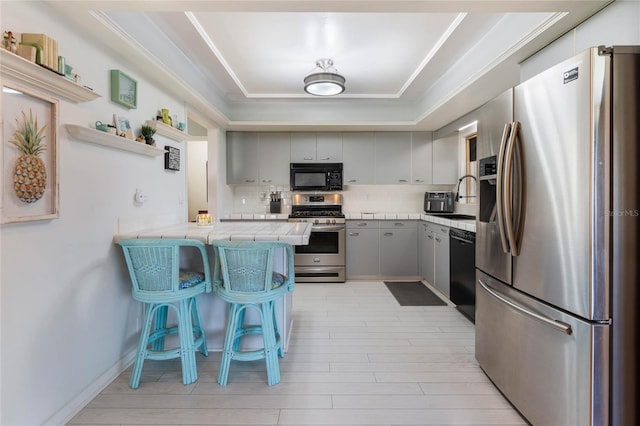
<point x="355" y="358"/>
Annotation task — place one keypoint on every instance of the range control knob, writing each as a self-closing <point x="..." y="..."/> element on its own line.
<point x="316" y="221"/>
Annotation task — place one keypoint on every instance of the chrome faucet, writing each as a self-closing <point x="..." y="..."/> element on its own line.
<point x="459" y="182"/>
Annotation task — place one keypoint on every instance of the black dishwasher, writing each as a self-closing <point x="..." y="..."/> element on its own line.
<point x="463" y="271"/>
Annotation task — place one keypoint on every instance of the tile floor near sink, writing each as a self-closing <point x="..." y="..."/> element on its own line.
<point x="356" y="358"/>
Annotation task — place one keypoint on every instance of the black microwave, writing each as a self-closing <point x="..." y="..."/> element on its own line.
<point x="316" y="176"/>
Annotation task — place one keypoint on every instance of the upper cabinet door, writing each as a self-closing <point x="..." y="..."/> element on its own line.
<point x="393" y="158"/>
<point x="358" y="156"/>
<point x="242" y="158"/>
<point x="316" y="147"/>
<point x="303" y="147"/>
<point x="445" y="160"/>
<point x="329" y="147"/>
<point x="422" y="158"/>
<point x="274" y="152"/>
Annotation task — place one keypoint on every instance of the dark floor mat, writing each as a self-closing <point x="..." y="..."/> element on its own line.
<point x="413" y="293"/>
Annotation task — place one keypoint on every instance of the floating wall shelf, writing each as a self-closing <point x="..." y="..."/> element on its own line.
<point x="168" y="131"/>
<point x="23" y="71"/>
<point x="87" y="134"/>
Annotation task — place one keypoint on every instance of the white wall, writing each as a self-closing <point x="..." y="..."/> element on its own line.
<point x="68" y="322"/>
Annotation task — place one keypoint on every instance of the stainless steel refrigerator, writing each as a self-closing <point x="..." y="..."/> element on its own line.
<point x="557" y="249"/>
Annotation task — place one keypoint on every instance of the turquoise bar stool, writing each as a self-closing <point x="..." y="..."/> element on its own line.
<point x="244" y="277"/>
<point x="160" y="283"/>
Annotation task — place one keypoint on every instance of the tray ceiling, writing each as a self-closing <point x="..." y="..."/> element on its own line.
<point x="408" y="64"/>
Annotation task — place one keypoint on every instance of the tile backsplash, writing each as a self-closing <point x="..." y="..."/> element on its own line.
<point x="356" y="199"/>
<point x="256" y="199"/>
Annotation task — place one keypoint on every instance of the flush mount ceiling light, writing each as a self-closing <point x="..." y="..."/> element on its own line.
<point x="326" y="82"/>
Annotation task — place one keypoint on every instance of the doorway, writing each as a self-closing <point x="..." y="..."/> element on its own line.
<point x="197" y="178"/>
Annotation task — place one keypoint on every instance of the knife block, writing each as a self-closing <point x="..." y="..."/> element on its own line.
<point x="275" y="206"/>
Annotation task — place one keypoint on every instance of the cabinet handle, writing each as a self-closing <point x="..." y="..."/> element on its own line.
<point x="266" y="180"/>
<point x="250" y="180"/>
<point x="438" y="239"/>
<point x="308" y="158"/>
<point x="354" y="234"/>
<point x="388" y="234"/>
<point x="362" y="224"/>
<point x="325" y="158"/>
<point x="445" y="230"/>
<point x="431" y="237"/>
<point x="402" y="180"/>
<point x="352" y="180"/>
<point x="398" y="224"/>
<point x="419" y="180"/>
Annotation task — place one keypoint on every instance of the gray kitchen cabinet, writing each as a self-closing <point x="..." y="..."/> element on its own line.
<point x="316" y="147"/>
<point x="274" y="150"/>
<point x="393" y="158"/>
<point x="427" y="251"/>
<point x="398" y="248"/>
<point x="363" y="249"/>
<point x="242" y="158"/>
<point x="258" y="158"/>
<point x="358" y="157"/>
<point x="422" y="158"/>
<point x="445" y="160"/>
<point x="442" y="271"/>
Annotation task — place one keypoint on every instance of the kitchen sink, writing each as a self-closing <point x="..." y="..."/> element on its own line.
<point x="454" y="216"/>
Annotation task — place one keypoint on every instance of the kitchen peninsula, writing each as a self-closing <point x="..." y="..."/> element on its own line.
<point x="293" y="233"/>
<point x="213" y="310"/>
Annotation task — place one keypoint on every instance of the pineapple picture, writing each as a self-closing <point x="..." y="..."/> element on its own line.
<point x="30" y="174"/>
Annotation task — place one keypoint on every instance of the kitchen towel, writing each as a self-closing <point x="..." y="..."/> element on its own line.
<point x="413" y="293"/>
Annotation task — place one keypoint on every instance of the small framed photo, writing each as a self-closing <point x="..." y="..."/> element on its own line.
<point x="124" y="89"/>
<point x="123" y="126"/>
<point x="30" y="186"/>
<point x="171" y="158"/>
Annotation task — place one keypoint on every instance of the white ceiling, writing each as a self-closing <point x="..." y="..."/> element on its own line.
<point x="408" y="64"/>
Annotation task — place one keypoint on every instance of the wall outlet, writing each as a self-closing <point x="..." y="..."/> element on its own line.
<point x="140" y="196"/>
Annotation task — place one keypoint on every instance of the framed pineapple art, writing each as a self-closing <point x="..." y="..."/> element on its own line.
<point x="30" y="189"/>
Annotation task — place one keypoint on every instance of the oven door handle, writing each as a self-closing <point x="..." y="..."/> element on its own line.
<point x="326" y="228"/>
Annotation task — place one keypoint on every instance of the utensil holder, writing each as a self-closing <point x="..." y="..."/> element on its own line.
<point x="275" y="206"/>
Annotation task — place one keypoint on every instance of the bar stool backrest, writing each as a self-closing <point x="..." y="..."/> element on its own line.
<point x="154" y="268"/>
<point x="244" y="267"/>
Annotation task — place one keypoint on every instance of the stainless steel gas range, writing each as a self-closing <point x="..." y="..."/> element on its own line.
<point x="323" y="260"/>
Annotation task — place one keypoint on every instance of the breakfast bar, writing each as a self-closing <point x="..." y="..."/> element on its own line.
<point x="213" y="310"/>
<point x="292" y="233"/>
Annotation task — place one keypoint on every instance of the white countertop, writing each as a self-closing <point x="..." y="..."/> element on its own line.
<point x="468" y="225"/>
<point x="293" y="233"/>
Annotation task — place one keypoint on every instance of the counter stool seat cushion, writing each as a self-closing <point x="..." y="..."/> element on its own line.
<point x="159" y="283"/>
<point x="190" y="278"/>
<point x="244" y="278"/>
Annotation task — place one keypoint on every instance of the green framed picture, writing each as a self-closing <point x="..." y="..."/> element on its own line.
<point x="124" y="89"/>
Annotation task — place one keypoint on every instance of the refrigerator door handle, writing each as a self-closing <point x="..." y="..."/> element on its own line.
<point x="508" y="195"/>
<point x="499" y="188"/>
<point x="558" y="325"/>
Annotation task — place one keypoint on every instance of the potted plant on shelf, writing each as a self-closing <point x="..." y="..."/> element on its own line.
<point x="148" y="132"/>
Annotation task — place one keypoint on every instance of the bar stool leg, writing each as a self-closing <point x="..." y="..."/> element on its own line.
<point x="229" y="340"/>
<point x="187" y="343"/>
